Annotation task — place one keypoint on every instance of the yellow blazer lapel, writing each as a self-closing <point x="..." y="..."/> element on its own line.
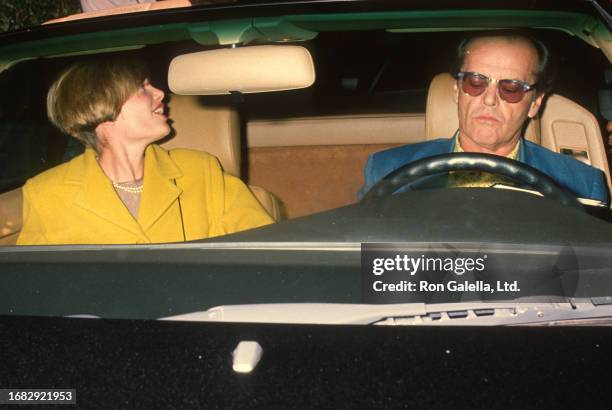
<point x="97" y="195"/>
<point x="159" y="191"/>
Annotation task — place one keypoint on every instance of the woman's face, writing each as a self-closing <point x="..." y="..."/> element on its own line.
<point x="142" y="116"/>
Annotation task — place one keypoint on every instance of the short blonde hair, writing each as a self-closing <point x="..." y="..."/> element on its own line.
<point x="91" y="92"/>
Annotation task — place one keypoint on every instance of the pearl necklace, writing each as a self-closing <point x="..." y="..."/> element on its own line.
<point x="130" y="189"/>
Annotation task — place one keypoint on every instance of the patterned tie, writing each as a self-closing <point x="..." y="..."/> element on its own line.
<point x="477" y="179"/>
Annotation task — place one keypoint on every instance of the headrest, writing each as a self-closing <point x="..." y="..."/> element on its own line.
<point x="244" y="69"/>
<point x="441" y="120"/>
<point x="213" y="129"/>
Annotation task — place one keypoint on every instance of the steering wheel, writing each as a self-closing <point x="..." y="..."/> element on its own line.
<point x="471" y="161"/>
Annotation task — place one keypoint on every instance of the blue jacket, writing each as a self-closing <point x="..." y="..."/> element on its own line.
<point x="585" y="181"/>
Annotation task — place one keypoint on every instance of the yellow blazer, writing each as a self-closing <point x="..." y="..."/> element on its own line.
<point x="75" y="203"/>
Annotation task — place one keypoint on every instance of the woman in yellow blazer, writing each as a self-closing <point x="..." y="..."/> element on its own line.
<point x="124" y="189"/>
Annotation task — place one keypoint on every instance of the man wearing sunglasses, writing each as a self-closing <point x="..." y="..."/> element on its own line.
<point x="500" y="83"/>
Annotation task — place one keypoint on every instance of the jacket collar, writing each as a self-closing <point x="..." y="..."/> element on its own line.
<point x="522" y="154"/>
<point x="97" y="195"/>
<point x="160" y="189"/>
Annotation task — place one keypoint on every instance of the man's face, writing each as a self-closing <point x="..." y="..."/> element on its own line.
<point x="486" y="122"/>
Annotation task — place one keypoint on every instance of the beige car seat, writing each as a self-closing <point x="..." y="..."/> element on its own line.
<point x="562" y="126"/>
<point x="568" y="128"/>
<point x="10" y="216"/>
<point x="216" y="130"/>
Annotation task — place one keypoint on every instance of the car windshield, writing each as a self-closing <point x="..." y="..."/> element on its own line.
<point x="339" y="135"/>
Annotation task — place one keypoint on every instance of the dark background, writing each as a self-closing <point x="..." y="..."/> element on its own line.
<point x="21" y="14"/>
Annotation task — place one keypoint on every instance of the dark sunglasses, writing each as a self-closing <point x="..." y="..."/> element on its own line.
<point x="475" y="84"/>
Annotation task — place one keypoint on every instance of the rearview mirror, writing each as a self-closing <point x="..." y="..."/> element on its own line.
<point x="251" y="69"/>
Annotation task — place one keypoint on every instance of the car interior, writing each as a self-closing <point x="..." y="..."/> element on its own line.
<point x="298" y="165"/>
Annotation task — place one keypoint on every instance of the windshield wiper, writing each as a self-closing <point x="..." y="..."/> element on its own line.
<point x="444" y="314"/>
